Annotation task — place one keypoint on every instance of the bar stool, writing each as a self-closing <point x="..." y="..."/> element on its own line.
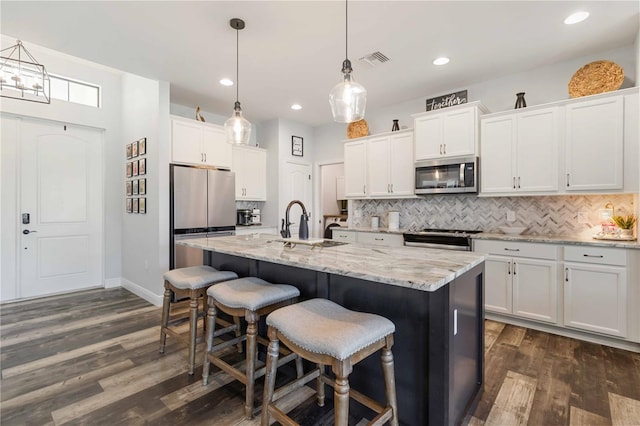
<point x="250" y="298"/>
<point x="325" y="333"/>
<point x="191" y="282"/>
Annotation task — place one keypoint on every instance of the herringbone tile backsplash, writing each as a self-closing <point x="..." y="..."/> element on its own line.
<point x="545" y="215"/>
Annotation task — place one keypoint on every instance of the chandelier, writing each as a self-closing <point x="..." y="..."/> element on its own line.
<point x="22" y="77"/>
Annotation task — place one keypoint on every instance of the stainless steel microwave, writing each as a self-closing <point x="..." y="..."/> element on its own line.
<point x="447" y="175"/>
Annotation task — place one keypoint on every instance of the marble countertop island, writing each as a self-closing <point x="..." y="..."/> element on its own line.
<point x="417" y="268"/>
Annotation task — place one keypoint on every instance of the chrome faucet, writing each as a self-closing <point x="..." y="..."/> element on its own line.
<point x="303" y="231"/>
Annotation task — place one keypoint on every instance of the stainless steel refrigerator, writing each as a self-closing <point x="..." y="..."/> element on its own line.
<point x="202" y="204"/>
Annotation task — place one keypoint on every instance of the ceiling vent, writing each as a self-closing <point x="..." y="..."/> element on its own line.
<point x="374" y="59"/>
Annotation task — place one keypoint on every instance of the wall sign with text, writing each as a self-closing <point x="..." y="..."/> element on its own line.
<point x="444" y="101"/>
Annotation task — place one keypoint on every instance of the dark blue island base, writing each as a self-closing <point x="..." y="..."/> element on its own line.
<point x="439" y="338"/>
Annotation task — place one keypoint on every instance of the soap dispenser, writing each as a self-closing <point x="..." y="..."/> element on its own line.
<point x="303" y="231"/>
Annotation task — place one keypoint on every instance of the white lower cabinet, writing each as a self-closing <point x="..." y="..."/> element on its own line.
<point x="521" y="279"/>
<point x="595" y="290"/>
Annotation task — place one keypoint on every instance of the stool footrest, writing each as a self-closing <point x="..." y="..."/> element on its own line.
<point x="227" y="343"/>
<point x="227" y="329"/>
<point x="357" y="396"/>
<point x="280" y="416"/>
<point x="382" y="418"/>
<point x="296" y="384"/>
<point x="282" y="361"/>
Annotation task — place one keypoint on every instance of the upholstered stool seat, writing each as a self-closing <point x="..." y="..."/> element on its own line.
<point x="191" y="282"/>
<point x="250" y="298"/>
<point x="326" y="333"/>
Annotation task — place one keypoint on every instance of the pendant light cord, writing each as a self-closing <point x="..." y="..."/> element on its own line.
<point x="237" y="64"/>
<point x="346" y="29"/>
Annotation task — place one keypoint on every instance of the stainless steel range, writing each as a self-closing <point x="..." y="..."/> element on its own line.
<point x="447" y="239"/>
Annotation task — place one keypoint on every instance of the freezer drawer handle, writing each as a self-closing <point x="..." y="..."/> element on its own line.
<point x="593" y="255"/>
<point x="510" y="249"/>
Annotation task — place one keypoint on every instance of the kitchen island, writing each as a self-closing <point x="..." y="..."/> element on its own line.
<point x="435" y="298"/>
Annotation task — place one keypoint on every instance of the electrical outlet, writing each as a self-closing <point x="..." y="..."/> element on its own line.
<point x="511" y="216"/>
<point x="583" y="217"/>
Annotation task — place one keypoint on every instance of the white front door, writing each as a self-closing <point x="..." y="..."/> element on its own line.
<point x="296" y="185"/>
<point x="61" y="192"/>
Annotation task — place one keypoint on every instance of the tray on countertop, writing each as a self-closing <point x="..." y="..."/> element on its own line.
<point x="613" y="237"/>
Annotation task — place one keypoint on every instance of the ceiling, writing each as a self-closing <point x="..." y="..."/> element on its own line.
<point x="292" y="51"/>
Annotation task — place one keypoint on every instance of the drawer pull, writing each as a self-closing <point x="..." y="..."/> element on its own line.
<point x="379" y="239"/>
<point x="510" y="249"/>
<point x="593" y="255"/>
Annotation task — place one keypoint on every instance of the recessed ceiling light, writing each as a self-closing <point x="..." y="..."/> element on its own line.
<point x="296" y="107"/>
<point x="574" y="18"/>
<point x="226" y="82"/>
<point x="441" y="61"/>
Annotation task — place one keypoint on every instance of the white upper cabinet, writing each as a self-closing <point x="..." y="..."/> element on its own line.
<point x="250" y="167"/>
<point x="519" y="152"/>
<point x="594" y="144"/>
<point x="380" y="166"/>
<point x="449" y="132"/>
<point x="202" y="144"/>
<point x="390" y="165"/>
<point x="355" y="169"/>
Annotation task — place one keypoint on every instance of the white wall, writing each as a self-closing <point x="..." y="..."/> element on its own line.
<point x="541" y="85"/>
<point x="106" y="117"/>
<point x="328" y="175"/>
<point x="269" y="140"/>
<point x="145" y="249"/>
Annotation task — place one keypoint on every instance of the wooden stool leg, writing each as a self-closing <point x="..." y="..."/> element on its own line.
<point x="211" y="325"/>
<point x="270" y="378"/>
<point x="389" y="379"/>
<point x="252" y="342"/>
<point x="236" y="321"/>
<point x="320" y="387"/>
<point x="193" y="330"/>
<point x="166" y="305"/>
<point x="341" y="392"/>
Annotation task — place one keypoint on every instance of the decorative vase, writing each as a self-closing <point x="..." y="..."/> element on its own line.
<point x="626" y="233"/>
<point x="520" y="102"/>
<point x="395" y="126"/>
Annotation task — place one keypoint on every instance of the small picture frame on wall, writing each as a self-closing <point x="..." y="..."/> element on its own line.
<point x="297" y="146"/>
<point x="129" y="205"/>
<point x="129" y="187"/>
<point x="135" y="168"/>
<point x="142" y="166"/>
<point x="142" y="146"/>
<point x="128" y="151"/>
<point x="134" y="149"/>
<point x="142" y="186"/>
<point x="135" y="205"/>
<point x="135" y="187"/>
<point x="143" y="205"/>
<point x="129" y="169"/>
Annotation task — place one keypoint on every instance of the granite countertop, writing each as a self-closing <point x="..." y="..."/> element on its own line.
<point x="418" y="268"/>
<point x="558" y="239"/>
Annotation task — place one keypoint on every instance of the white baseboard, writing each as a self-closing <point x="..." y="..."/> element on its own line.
<point x="138" y="290"/>
<point x="574" y="334"/>
<point x="113" y="282"/>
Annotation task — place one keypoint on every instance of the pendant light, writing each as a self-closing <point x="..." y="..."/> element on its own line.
<point x="348" y="99"/>
<point x="237" y="127"/>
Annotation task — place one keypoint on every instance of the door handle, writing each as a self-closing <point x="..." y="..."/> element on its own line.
<point x="27" y="232"/>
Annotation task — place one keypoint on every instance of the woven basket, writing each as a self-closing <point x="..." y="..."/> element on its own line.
<point x="596" y="77"/>
<point x="357" y="129"/>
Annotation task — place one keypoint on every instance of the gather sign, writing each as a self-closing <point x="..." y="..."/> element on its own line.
<point x="445" y="101"/>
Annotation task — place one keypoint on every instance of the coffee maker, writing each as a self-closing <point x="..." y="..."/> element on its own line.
<point x="244" y="217"/>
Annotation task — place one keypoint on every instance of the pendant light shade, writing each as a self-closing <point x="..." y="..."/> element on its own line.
<point x="237" y="127"/>
<point x="348" y="99"/>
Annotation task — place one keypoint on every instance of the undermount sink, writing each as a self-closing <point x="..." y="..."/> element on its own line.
<point x="330" y="243"/>
<point x="292" y="242"/>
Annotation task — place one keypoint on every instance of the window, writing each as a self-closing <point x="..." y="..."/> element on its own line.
<point x="68" y="90"/>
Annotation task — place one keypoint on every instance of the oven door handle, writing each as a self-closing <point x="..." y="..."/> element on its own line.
<point x="437" y="246"/>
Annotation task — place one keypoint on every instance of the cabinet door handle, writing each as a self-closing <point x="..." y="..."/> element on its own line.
<point x="514" y="182"/>
<point x="593" y="255"/>
<point x="440" y="149"/>
<point x="518" y="181"/>
<point x="391" y="187"/>
<point x="444" y="148"/>
<point x="364" y="189"/>
<point x="201" y="158"/>
<point x="509" y="268"/>
<point x="514" y="267"/>
<point x="566" y="274"/>
<point x="568" y="180"/>
<point x="510" y="249"/>
<point x="205" y="157"/>
<point x="388" y="187"/>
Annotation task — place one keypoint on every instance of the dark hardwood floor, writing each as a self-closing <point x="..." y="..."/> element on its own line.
<point x="92" y="358"/>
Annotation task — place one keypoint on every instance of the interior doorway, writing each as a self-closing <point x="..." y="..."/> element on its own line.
<point x="60" y="238"/>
